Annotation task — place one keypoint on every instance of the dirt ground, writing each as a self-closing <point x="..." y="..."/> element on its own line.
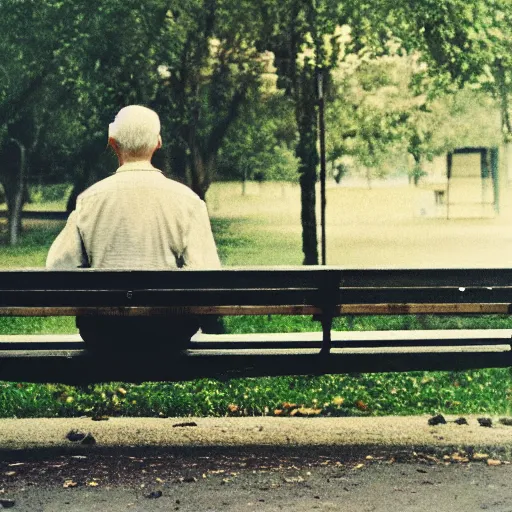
<point x="264" y="464"/>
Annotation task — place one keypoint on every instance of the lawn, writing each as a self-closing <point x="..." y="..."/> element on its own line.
<point x="366" y="228"/>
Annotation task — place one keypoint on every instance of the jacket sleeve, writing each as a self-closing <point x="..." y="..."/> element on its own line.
<point x="200" y="249"/>
<point x="67" y="250"/>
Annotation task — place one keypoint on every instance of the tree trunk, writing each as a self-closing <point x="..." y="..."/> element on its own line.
<point x="369" y="177"/>
<point x="501" y="80"/>
<point x="201" y="172"/>
<point x="308" y="157"/>
<point x="15" y="195"/>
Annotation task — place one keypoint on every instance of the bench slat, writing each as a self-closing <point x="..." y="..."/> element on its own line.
<point x="303" y="340"/>
<point x="257" y="277"/>
<point x="343" y="309"/>
<point x="82" y="369"/>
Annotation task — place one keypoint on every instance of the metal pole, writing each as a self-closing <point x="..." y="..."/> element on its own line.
<point x="321" y="122"/>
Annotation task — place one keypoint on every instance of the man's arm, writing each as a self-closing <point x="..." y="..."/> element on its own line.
<point x="67" y="251"/>
<point x="200" y="250"/>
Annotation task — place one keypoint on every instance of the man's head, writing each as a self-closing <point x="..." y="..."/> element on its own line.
<point x="135" y="133"/>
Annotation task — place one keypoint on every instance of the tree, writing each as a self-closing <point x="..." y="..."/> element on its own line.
<point x="260" y="144"/>
<point x="303" y="37"/>
<point x="27" y="71"/>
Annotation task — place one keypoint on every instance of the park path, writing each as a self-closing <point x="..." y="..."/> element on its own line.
<point x="264" y="464"/>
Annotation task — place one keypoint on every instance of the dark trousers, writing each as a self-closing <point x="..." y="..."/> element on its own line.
<point x="133" y="336"/>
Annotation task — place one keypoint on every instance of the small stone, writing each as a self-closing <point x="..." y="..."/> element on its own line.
<point x="154" y="495"/>
<point x="461" y="421"/>
<point x="99" y="417"/>
<point x="437" y="420"/>
<point x="186" y="424"/>
<point x="485" y="422"/>
<point x="7" y="503"/>
<point x="76" y="436"/>
<point x="88" y="439"/>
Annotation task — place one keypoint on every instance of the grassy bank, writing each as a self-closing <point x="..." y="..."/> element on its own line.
<point x="253" y="231"/>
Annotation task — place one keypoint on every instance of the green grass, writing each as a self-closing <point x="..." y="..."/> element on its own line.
<point x="257" y="238"/>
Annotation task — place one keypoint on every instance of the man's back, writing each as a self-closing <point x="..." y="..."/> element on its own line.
<point x="138" y="218"/>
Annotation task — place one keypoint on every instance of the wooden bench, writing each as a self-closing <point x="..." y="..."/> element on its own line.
<point x="324" y="292"/>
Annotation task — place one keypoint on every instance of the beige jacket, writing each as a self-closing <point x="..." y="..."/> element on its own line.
<point x="136" y="219"/>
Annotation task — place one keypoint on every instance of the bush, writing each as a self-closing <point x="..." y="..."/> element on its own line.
<point x="48" y="193"/>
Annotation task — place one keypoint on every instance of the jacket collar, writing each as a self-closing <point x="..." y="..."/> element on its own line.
<point x="137" y="166"/>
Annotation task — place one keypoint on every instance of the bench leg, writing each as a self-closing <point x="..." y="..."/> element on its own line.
<point x="326" y="334"/>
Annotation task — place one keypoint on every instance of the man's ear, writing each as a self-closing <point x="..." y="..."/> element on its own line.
<point x="159" y="143"/>
<point x="113" y="144"/>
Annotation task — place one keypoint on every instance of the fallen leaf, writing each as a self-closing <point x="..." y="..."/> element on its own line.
<point x="493" y="462"/>
<point x="359" y="466"/>
<point x="10" y="473"/>
<point x="293" y="479"/>
<point x="456" y="457"/>
<point x="305" y="411"/>
<point x="232" y="408"/>
<point x="480" y="456"/>
<point x="338" y="400"/>
<point x="361" y="405"/>
<point x="69" y="483"/>
<point x="461" y="421"/>
<point x="93" y="484"/>
<point x="16" y="464"/>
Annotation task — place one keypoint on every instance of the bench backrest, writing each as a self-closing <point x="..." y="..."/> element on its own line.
<point x="235" y="291"/>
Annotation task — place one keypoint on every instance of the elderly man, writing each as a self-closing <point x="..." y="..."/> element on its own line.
<point x="136" y="219"/>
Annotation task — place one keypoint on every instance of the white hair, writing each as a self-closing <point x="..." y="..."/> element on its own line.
<point x="135" y="129"/>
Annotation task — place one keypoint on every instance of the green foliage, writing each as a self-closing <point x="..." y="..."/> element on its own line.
<point x="42" y="194"/>
<point x="260" y="143"/>
<point x="479" y="391"/>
